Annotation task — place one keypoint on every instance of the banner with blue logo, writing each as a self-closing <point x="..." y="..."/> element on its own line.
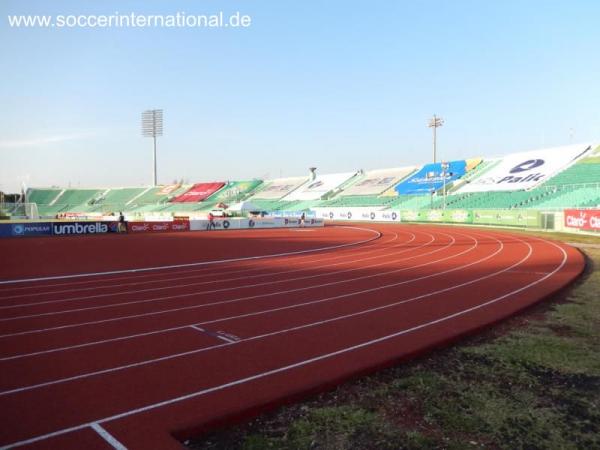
<point x="522" y="171"/>
<point x="431" y="178"/>
<point x="25" y="229"/>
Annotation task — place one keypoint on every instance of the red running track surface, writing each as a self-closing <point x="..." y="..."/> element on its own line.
<point x="239" y="320"/>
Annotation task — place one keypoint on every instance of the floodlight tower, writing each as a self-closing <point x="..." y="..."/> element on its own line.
<point x="434" y="123"/>
<point x="152" y="126"/>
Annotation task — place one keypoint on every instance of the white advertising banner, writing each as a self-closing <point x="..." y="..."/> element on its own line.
<point x="321" y="185"/>
<point x="358" y="214"/>
<point x="278" y="188"/>
<point x="526" y="170"/>
<point x="377" y="181"/>
<point x="267" y="222"/>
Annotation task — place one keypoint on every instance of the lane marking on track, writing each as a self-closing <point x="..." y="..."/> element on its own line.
<point x="170" y="279"/>
<point x="196" y="264"/>
<point x="214" y="291"/>
<point x="300" y="363"/>
<point x="215" y="335"/>
<point x="529" y="272"/>
<point x="120" y="338"/>
<point x="236" y="300"/>
<point x="178" y="286"/>
<point x="107" y="436"/>
<point x="190" y="352"/>
<point x="201" y="272"/>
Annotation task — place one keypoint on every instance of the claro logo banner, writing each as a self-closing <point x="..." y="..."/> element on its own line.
<point x="60" y="229"/>
<point x="157" y="227"/>
<point x="584" y="219"/>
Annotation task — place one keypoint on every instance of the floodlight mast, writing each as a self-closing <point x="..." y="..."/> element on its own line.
<point x="434" y="123"/>
<point x="152" y="126"/>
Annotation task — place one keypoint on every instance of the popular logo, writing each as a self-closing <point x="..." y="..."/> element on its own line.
<point x="226" y="224"/>
<point x="18" y="229"/>
<point x="394" y="216"/>
<point x="251" y="223"/>
<point x="527" y="165"/>
<point x="372" y="215"/>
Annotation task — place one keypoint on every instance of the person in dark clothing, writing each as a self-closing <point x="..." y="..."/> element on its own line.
<point x="122" y="224"/>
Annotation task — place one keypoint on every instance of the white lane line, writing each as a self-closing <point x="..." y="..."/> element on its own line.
<point x="379" y="247"/>
<point x="99" y="342"/>
<point x="181" y="286"/>
<point x="201" y="272"/>
<point x="236" y="300"/>
<point x="196" y="264"/>
<point x="190" y="352"/>
<point x="300" y="363"/>
<point x="208" y="333"/>
<point x="107" y="436"/>
<point x="177" y="286"/>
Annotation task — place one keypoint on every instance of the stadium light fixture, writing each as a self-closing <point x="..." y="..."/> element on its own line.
<point x="435" y="122"/>
<point x="152" y="126"/>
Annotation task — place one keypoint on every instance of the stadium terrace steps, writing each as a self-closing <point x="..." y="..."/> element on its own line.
<point x="479" y="170"/>
<point x="582" y="172"/>
<point x="43" y="196"/>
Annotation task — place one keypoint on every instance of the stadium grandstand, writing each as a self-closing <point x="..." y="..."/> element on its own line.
<point x="546" y="179"/>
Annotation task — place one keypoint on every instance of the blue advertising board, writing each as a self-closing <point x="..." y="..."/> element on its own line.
<point x="431" y="178"/>
<point x="25" y="229"/>
<point x="56" y="228"/>
<point x="70" y="228"/>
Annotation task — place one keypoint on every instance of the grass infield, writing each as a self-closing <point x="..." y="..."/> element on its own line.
<point x="532" y="382"/>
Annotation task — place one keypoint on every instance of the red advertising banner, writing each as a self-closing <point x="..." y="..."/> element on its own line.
<point x="584" y="219"/>
<point x="198" y="192"/>
<point x="157" y="227"/>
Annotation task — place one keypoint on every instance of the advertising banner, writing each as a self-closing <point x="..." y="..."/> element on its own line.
<point x="516" y="218"/>
<point x="358" y="214"/>
<point x="25" y="229"/>
<point x="320" y="186"/>
<point x="526" y="170"/>
<point x="198" y="192"/>
<point x="458" y="216"/>
<point x="377" y="181"/>
<point x="71" y="228"/>
<point x="218" y="224"/>
<point x="584" y="219"/>
<point x="157" y="227"/>
<point x="431" y="178"/>
<point x="276" y="189"/>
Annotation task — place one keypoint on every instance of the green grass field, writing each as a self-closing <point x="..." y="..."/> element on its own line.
<point x="532" y="382"/>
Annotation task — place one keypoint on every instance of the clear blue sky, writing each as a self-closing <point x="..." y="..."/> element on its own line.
<point x="339" y="84"/>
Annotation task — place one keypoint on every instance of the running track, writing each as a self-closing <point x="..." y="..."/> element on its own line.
<point x="226" y="324"/>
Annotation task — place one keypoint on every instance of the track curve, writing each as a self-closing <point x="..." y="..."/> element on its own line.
<point x="137" y="356"/>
